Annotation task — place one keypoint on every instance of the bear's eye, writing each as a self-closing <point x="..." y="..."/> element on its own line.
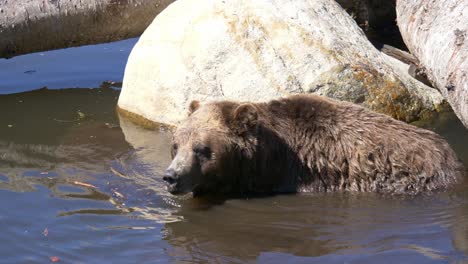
<point x="202" y="151"/>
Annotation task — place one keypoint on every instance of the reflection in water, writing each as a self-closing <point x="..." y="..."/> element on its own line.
<point x="72" y="137"/>
<point x="145" y="165"/>
<point x="94" y="211"/>
<point x="38" y="147"/>
<point x="322" y="228"/>
<point x="460" y="227"/>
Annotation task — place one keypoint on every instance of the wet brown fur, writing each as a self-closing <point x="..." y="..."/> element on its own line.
<point x="308" y="143"/>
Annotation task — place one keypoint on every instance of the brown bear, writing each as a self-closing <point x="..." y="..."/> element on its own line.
<point x="304" y="143"/>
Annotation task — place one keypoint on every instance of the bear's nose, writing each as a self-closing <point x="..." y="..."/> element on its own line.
<point x="170" y="176"/>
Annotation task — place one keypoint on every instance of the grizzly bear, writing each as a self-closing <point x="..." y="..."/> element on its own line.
<point x="304" y="143"/>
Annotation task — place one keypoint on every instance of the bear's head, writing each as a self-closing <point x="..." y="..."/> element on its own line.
<point x="212" y="149"/>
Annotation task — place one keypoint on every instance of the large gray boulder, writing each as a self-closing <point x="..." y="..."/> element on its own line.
<point x="259" y="50"/>
<point x="436" y="32"/>
<point x="32" y="25"/>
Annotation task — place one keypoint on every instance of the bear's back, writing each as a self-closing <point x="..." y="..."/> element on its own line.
<point x="347" y="147"/>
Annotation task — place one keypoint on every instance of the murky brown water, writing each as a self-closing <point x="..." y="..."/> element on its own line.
<point x="78" y="183"/>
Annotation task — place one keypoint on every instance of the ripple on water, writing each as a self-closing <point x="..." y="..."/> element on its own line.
<point x="97" y="188"/>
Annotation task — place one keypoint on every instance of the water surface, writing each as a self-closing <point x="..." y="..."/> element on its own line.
<point x="84" y="67"/>
<point x="83" y="185"/>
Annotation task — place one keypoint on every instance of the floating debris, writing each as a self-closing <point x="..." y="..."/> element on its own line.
<point x="84" y="184"/>
<point x="81" y="115"/>
<point x="118" y="173"/>
<point x="45" y="232"/>
<point x="118" y="194"/>
<point x="109" y="125"/>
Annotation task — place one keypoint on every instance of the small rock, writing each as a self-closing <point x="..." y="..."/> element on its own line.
<point x="81" y="115"/>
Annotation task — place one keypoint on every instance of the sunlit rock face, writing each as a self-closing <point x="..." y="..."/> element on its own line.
<point x="436" y="32"/>
<point x="259" y="50"/>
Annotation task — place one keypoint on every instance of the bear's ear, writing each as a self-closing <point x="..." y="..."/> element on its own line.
<point x="194" y="105"/>
<point x="245" y="118"/>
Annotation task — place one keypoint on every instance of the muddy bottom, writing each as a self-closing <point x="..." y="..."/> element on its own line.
<point x="81" y="185"/>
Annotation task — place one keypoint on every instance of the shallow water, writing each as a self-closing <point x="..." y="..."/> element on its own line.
<point x="79" y="183"/>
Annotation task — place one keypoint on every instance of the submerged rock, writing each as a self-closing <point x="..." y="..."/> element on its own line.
<point x="258" y="50"/>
